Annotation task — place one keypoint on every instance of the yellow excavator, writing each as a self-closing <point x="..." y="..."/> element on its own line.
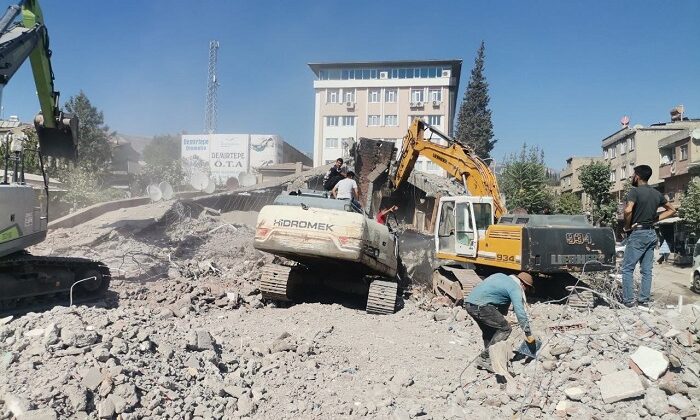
<point x="478" y="231"/>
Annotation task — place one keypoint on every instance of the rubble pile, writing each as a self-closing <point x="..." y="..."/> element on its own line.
<point x="184" y="334"/>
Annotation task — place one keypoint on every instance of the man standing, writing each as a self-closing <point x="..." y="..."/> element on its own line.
<point x="346" y="189"/>
<point x="640" y="216"/>
<point x="488" y="303"/>
<point x="333" y="175"/>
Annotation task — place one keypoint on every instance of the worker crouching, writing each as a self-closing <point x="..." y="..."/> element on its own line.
<point x="488" y="303"/>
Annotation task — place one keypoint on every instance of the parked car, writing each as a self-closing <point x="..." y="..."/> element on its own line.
<point x="695" y="280"/>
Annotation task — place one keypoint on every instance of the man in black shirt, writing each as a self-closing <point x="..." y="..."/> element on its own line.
<point x="640" y="216"/>
<point x="333" y="175"/>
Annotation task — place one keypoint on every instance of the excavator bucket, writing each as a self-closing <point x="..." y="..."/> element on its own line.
<point x="61" y="140"/>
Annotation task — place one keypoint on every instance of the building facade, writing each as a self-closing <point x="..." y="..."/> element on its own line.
<point x="569" y="177"/>
<point x="379" y="100"/>
<point x="231" y="156"/>
<point x="679" y="160"/>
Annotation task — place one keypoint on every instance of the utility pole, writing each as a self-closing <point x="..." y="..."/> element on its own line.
<point x="212" y="85"/>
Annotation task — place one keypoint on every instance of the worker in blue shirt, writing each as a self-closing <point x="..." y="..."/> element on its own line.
<point x="488" y="303"/>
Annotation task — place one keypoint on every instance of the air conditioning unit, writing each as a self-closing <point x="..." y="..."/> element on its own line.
<point x="446" y="73"/>
<point x="350" y="104"/>
<point x="436" y="103"/>
<point x="383" y="74"/>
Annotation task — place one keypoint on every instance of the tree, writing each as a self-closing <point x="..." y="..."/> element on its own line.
<point x="689" y="210"/>
<point x="162" y="157"/>
<point x="83" y="189"/>
<point x="524" y="180"/>
<point x="30" y="146"/>
<point x="94" y="151"/>
<point x="568" y="203"/>
<point x="595" y="181"/>
<point x="474" y="126"/>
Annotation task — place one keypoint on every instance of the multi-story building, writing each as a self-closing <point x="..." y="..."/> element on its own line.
<point x="679" y="159"/>
<point x="569" y="177"/>
<point x="379" y="100"/>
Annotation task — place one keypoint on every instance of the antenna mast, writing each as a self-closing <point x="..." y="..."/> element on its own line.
<point x="212" y="85"/>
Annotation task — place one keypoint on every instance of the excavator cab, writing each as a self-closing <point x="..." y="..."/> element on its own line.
<point x="61" y="140"/>
<point x="462" y="222"/>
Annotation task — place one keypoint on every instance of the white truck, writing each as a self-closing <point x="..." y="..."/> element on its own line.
<point x="331" y="244"/>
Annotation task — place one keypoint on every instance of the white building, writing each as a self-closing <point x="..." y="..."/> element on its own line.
<point x="230" y="155"/>
<point x="379" y="100"/>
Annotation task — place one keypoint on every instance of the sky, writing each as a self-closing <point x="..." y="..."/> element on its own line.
<point x="561" y="74"/>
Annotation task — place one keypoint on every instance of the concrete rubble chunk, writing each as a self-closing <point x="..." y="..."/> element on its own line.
<point x="106" y="409"/>
<point x="620" y="385"/>
<point x="656" y="402"/>
<point x="40" y="414"/>
<point x="651" y="362"/>
<point x="574" y="393"/>
<point x="204" y="340"/>
<point x="16" y="404"/>
<point x="681" y="402"/>
<point x="92" y="378"/>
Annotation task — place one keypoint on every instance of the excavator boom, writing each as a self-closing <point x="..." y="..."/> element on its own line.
<point x="457" y="159"/>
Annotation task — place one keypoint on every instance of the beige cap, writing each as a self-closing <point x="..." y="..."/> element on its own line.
<point x="526" y="278"/>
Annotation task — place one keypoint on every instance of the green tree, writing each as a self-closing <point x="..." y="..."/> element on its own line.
<point x="689" y="210"/>
<point x="94" y="151"/>
<point x="31" y="156"/>
<point x="163" y="163"/>
<point x="83" y="189"/>
<point x="524" y="181"/>
<point x="568" y="203"/>
<point x="595" y="181"/>
<point x="474" y="126"/>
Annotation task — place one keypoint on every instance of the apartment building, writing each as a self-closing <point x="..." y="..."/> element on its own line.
<point x="379" y="100"/>
<point x="679" y="159"/>
<point x="569" y="177"/>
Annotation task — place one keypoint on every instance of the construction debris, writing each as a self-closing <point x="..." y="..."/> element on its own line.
<point x="184" y="333"/>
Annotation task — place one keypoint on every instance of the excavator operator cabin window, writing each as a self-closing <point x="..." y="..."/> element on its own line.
<point x="465" y="229"/>
<point x="447" y="219"/>
<point x="483" y="216"/>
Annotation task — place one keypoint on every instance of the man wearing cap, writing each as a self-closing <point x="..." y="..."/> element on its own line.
<point x="488" y="303"/>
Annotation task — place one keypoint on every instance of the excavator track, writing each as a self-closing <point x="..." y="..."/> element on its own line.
<point x="274" y="281"/>
<point x="25" y="277"/>
<point x="382" y="297"/>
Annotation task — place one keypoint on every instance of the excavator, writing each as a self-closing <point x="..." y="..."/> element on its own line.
<point x="477" y="231"/>
<point x="23" y="218"/>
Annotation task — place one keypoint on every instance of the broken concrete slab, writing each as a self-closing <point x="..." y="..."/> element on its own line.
<point x="652" y="362"/>
<point x="574" y="393"/>
<point x="620" y="385"/>
<point x="655" y="402"/>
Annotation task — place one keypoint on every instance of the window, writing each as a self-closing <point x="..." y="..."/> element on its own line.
<point x="348" y="121"/>
<point x="623" y="172"/>
<point x="331" y="121"/>
<point x="684" y="152"/>
<point x="331" y="143"/>
<point x="434" y="119"/>
<point x="631" y="145"/>
<point x="447" y="219"/>
<point x="374" y="95"/>
<point x="613" y="153"/>
<point x="612" y="176"/>
<point x="332" y="96"/>
<point x="435" y="95"/>
<point x="483" y="216"/>
<point x="391" y="120"/>
<point x="350" y="96"/>
<point x="623" y="147"/>
<point x="618" y="148"/>
<point x="373" y="120"/>
<point x="390" y="96"/>
<point x="413" y="117"/>
<point x="416" y="95"/>
<point x="605" y="153"/>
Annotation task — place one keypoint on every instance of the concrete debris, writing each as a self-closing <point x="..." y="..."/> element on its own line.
<point x="651" y="362"/>
<point x="167" y="344"/>
<point x="620" y="385"/>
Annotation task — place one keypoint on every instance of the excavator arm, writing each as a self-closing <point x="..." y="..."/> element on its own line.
<point x="57" y="131"/>
<point x="457" y="159"/>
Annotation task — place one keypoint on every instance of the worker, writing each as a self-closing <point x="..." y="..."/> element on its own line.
<point x="334" y="174"/>
<point x="381" y="216"/>
<point x="640" y="216"/>
<point x="665" y="251"/>
<point x="346" y="189"/>
<point x="488" y="303"/>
